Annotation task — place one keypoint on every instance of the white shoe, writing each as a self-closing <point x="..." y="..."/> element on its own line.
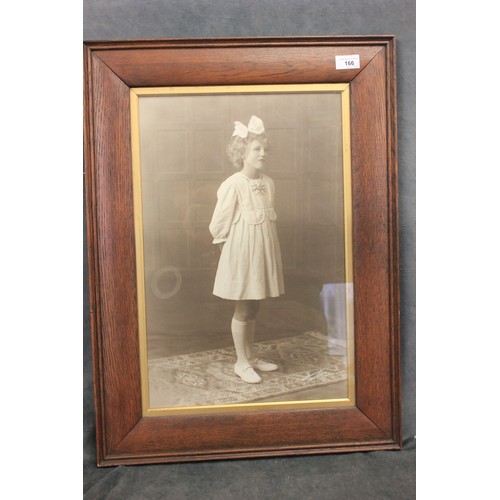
<point x="247" y="374"/>
<point x="263" y="366"/>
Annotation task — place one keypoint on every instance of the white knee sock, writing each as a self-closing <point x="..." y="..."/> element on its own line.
<point x="239" y="330"/>
<point x="242" y="368"/>
<point x="249" y="339"/>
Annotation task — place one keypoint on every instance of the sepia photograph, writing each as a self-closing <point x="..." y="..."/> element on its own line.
<point x="243" y="214"/>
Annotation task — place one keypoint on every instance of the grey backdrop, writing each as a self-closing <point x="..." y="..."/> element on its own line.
<point x="371" y="475"/>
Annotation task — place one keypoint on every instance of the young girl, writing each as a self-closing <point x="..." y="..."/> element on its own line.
<point x="244" y="225"/>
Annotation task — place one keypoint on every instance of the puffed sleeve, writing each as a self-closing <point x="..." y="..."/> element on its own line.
<point x="272" y="190"/>
<point x="225" y="212"/>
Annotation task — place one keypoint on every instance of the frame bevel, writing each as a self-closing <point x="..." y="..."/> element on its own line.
<point x="111" y="69"/>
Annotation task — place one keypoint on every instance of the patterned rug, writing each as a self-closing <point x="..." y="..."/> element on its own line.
<point x="207" y="378"/>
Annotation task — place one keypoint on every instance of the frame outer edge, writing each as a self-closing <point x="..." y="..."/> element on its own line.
<point x="93" y="270"/>
<point x="394" y="239"/>
<point x="151" y="459"/>
<point x="284" y="41"/>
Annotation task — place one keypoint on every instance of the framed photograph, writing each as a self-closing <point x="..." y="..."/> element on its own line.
<point x="243" y="255"/>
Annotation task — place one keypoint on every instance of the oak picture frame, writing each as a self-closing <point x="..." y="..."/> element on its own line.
<point x="111" y="69"/>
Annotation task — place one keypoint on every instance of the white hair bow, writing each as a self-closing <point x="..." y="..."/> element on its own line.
<point x="255" y="126"/>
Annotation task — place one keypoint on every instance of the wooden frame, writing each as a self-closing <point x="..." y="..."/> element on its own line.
<point x="124" y="435"/>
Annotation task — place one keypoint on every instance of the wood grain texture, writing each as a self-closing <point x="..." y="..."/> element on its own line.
<point x="111" y="68"/>
<point x="113" y="281"/>
<point x="215" y="66"/>
<point x="371" y="252"/>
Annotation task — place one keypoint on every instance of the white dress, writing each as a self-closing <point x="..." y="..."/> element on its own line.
<point x="250" y="266"/>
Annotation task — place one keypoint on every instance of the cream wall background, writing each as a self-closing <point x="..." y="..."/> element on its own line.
<point x="183" y="141"/>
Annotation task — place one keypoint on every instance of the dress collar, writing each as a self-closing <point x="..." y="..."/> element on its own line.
<point x="249" y="178"/>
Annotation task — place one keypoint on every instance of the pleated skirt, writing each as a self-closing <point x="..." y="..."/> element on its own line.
<point x="250" y="265"/>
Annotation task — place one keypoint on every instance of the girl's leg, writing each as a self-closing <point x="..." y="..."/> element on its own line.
<point x="244" y="313"/>
<point x="246" y="310"/>
<point x="258" y="364"/>
<point x="254" y="309"/>
<point x="250" y="311"/>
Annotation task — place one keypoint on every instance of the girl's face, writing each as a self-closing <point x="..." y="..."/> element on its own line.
<point x="255" y="155"/>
